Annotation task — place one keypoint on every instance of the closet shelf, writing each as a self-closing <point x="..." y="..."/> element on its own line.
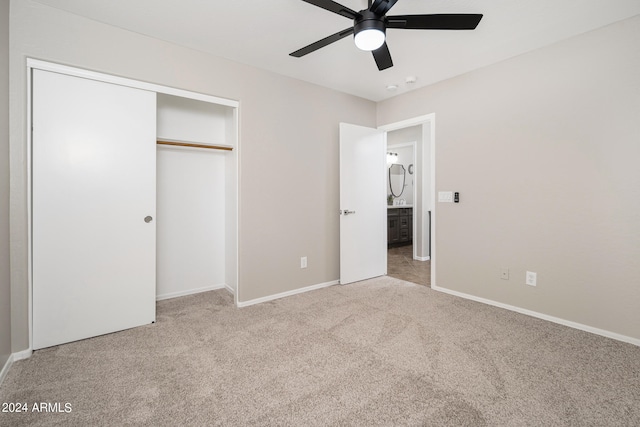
<point x="193" y="144"/>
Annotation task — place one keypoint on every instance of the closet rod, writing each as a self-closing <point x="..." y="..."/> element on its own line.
<point x="190" y="144"/>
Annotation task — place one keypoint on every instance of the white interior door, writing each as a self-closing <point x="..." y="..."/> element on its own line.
<point x="93" y="183"/>
<point x="363" y="212"/>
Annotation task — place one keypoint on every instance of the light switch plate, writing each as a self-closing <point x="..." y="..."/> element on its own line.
<point x="445" y="196"/>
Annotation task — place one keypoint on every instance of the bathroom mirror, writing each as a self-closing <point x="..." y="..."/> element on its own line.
<point x="396" y="171"/>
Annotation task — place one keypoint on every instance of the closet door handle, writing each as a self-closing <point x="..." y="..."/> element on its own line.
<point x="148" y="219"/>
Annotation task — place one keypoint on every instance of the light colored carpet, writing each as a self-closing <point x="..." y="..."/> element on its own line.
<point x="378" y="352"/>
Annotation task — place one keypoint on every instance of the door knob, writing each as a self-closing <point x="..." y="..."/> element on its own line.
<point x="148" y="219"/>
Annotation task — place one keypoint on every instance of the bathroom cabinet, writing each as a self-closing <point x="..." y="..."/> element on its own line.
<point x="399" y="226"/>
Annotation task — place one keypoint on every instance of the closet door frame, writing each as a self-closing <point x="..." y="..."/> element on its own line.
<point x="232" y="188"/>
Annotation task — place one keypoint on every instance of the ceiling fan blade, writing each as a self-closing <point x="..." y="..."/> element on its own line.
<point x="383" y="57"/>
<point x="322" y="43"/>
<point x="381" y="7"/>
<point x="445" y="21"/>
<point x="334" y="7"/>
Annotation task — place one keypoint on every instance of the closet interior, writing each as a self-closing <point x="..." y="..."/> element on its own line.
<point x="195" y="196"/>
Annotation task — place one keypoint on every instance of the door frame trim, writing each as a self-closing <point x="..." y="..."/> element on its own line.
<point x="415" y="121"/>
<point x="123" y="81"/>
<point x="31" y="64"/>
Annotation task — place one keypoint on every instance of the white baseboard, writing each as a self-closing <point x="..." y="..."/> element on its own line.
<point x="230" y="289"/>
<point x="574" y="325"/>
<point x="25" y="354"/>
<point x="422" y="258"/>
<point x="190" y="292"/>
<point x="5" y="369"/>
<point x="287" y="294"/>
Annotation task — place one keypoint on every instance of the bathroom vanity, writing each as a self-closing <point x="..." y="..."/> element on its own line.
<point x="399" y="225"/>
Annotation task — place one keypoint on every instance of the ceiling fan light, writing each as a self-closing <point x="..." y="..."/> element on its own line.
<point x="369" y="39"/>
<point x="368" y="31"/>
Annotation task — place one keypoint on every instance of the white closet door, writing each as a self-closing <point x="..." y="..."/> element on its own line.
<point x="93" y="185"/>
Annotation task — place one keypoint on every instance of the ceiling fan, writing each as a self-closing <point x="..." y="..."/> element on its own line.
<point x="370" y="25"/>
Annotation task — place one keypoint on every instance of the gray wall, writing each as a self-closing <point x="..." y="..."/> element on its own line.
<point x="288" y="129"/>
<point x="5" y="282"/>
<point x="544" y="150"/>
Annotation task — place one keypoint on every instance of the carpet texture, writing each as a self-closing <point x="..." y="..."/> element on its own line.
<point x="378" y="352"/>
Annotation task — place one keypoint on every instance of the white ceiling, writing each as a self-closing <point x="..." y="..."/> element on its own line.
<point x="262" y="33"/>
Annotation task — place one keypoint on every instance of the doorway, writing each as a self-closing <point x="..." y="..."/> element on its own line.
<point x="414" y="262"/>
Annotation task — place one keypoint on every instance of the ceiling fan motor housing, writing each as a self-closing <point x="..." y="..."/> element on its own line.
<point x="367" y="20"/>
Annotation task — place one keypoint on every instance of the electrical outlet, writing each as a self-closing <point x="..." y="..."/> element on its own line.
<point x="531" y="278"/>
<point x="303" y="262"/>
<point x="504" y="273"/>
